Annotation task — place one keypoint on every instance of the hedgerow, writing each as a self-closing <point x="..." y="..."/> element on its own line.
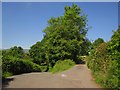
<point x="104" y="61"/>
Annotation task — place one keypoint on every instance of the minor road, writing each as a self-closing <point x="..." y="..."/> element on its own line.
<point x="77" y="77"/>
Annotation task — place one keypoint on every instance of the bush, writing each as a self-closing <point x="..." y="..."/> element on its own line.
<point x="62" y="65"/>
<point x="113" y="75"/>
<point x="104" y="62"/>
<point x="19" y="66"/>
<point x="6" y="74"/>
<point x="43" y="68"/>
<point x="36" y="67"/>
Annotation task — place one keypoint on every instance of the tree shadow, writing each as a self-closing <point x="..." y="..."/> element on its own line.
<point x="6" y="81"/>
<point x="81" y="62"/>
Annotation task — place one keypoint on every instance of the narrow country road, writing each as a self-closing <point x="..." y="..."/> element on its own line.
<point x="77" y="77"/>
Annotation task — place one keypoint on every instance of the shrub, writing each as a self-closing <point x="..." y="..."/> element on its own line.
<point x="62" y="65"/>
<point x="36" y="67"/>
<point x="113" y="75"/>
<point x="6" y="74"/>
<point x="104" y="62"/>
<point x="43" y="68"/>
<point x="18" y="66"/>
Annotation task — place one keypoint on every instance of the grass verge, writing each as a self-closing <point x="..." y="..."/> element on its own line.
<point x="62" y="65"/>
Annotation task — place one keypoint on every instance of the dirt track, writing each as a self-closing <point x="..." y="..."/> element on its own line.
<point x="77" y="77"/>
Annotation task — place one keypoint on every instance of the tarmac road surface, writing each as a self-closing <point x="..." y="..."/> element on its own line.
<point x="77" y="77"/>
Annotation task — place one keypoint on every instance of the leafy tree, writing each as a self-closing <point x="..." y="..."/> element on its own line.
<point x="27" y="56"/>
<point x="64" y="38"/>
<point x="35" y="52"/>
<point x="97" y="42"/>
<point x="65" y="35"/>
<point x="94" y="45"/>
<point x="86" y="47"/>
<point x="38" y="53"/>
<point x="16" y="52"/>
<point x="9" y="54"/>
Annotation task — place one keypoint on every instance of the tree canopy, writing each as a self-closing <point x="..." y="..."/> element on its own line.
<point x="97" y="42"/>
<point x="64" y="37"/>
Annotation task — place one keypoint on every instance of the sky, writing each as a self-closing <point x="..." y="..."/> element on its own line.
<point x="60" y="0"/>
<point x="119" y="13"/>
<point x="23" y="22"/>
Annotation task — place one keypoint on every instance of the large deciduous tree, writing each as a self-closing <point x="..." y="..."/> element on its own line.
<point x="64" y="37"/>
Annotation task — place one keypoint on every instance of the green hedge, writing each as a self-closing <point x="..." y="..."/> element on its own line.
<point x="105" y="66"/>
<point x="19" y="66"/>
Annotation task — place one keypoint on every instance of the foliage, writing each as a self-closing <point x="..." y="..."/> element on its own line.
<point x="97" y="42"/>
<point x="98" y="48"/>
<point x="104" y="62"/>
<point x="35" y="67"/>
<point x="113" y="75"/>
<point x="27" y="56"/>
<point x="17" y="64"/>
<point x="114" y="67"/>
<point x="63" y="65"/>
<point x="43" y="68"/>
<point x="16" y="52"/>
<point x="98" y="60"/>
<point x="6" y="74"/>
<point x="64" y="38"/>
<point x="38" y="53"/>
<point x="85" y="47"/>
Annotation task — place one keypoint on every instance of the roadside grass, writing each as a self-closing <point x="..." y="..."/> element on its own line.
<point x="62" y="65"/>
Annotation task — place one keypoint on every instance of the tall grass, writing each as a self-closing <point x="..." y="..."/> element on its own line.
<point x="62" y="65"/>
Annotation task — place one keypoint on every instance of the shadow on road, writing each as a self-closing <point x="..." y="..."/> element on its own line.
<point x="81" y="62"/>
<point x="5" y="81"/>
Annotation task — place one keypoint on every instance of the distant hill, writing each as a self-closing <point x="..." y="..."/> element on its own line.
<point x="26" y="50"/>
